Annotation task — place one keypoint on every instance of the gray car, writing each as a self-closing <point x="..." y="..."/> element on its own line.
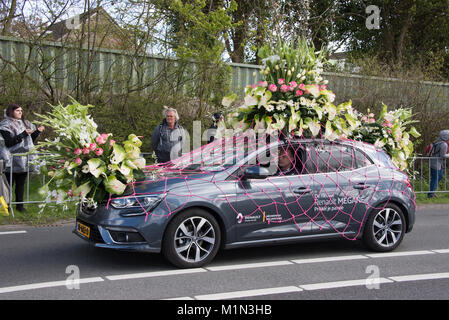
<point x="237" y="197"/>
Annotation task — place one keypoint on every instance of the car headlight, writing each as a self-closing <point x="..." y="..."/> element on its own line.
<point x="146" y="202"/>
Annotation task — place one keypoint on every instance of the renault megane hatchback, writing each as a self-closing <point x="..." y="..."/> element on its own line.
<point x="238" y="192"/>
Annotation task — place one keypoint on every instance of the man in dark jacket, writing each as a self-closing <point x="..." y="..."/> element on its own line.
<point x="438" y="154"/>
<point x="168" y="137"/>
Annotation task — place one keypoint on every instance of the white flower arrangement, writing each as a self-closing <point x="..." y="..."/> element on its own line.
<point x="82" y="163"/>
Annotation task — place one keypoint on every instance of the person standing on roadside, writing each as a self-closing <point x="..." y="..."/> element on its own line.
<point x="19" y="136"/>
<point x="438" y="154"/>
<point x="217" y="118"/>
<point x="169" y="137"/>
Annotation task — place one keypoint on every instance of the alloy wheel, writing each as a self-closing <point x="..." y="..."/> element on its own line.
<point x="194" y="239"/>
<point x="387" y="227"/>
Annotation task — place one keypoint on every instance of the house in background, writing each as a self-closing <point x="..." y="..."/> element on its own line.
<point x="339" y="60"/>
<point x="94" y="28"/>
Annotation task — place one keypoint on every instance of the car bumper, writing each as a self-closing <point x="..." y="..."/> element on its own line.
<point x="106" y="228"/>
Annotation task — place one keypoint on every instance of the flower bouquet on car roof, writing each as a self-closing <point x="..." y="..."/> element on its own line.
<point x="294" y="100"/>
<point x="82" y="163"/>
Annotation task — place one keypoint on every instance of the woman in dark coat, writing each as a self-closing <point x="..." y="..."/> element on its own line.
<point x="19" y="136"/>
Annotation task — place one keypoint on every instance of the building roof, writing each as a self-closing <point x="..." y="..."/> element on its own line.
<point x="62" y="28"/>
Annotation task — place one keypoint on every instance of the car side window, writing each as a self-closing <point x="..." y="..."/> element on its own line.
<point x="361" y="159"/>
<point x="269" y="160"/>
<point x="323" y="158"/>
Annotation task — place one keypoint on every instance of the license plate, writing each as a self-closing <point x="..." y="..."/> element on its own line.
<point x="83" y="229"/>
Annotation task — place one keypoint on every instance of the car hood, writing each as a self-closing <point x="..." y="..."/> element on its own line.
<point x="164" y="181"/>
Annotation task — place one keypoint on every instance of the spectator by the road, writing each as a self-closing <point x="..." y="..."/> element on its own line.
<point x="438" y="154"/>
<point x="169" y="137"/>
<point x="19" y="136"/>
<point x="217" y="117"/>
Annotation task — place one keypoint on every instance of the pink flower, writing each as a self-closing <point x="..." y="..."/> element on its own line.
<point x="263" y="84"/>
<point x="112" y="142"/>
<point x="253" y="86"/>
<point x="299" y="93"/>
<point x="302" y="86"/>
<point x="77" y="151"/>
<point x="387" y="124"/>
<point x="272" y="88"/>
<point x="86" y="150"/>
<point x="284" y="88"/>
<point x="371" y="120"/>
<point x="78" y="161"/>
<point x="281" y="81"/>
<point x="102" y="138"/>
<point x="99" y="151"/>
<point x="293" y="85"/>
<point x="99" y="140"/>
<point x="92" y="147"/>
<point x="364" y="119"/>
<point x="323" y="87"/>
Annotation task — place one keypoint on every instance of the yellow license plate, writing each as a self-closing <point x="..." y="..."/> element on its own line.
<point x="83" y="229"/>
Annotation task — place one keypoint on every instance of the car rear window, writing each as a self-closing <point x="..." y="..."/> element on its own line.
<point x="384" y="159"/>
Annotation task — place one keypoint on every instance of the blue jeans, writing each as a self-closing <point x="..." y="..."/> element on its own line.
<point x="435" y="178"/>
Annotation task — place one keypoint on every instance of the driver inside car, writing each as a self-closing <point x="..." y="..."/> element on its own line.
<point x="286" y="162"/>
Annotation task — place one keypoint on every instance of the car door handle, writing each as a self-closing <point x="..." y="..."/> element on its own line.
<point x="301" y="190"/>
<point x="361" y="186"/>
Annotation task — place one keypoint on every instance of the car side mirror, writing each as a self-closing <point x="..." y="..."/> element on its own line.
<point x="256" y="172"/>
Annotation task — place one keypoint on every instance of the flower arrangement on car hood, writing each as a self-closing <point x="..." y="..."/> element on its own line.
<point x="82" y="163"/>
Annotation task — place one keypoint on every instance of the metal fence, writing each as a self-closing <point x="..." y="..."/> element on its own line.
<point x="57" y="66"/>
<point x="420" y="182"/>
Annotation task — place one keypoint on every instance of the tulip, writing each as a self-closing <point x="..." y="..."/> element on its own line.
<point x="284" y="88"/>
<point x="102" y="138"/>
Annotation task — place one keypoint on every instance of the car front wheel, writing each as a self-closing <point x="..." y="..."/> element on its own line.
<point x="385" y="228"/>
<point x="192" y="239"/>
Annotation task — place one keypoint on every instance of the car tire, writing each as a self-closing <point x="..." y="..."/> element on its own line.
<point x="192" y="239"/>
<point x="385" y="228"/>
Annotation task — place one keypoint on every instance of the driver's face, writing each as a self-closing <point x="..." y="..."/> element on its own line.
<point x="284" y="159"/>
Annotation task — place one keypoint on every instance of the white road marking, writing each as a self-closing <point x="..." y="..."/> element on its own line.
<point x="247" y="293"/>
<point x="416" y="277"/>
<point x="341" y="284"/>
<point x="47" y="285"/>
<point x="313" y="286"/>
<point x="256" y="265"/>
<point x="250" y="265"/>
<point x="12" y="232"/>
<point x="329" y="259"/>
<point x="399" y="254"/>
<point x="441" y="251"/>
<point x="154" y="274"/>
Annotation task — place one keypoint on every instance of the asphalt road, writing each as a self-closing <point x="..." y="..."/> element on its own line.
<point x="40" y="263"/>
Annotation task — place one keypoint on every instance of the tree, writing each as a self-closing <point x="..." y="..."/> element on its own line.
<point x="410" y="31"/>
